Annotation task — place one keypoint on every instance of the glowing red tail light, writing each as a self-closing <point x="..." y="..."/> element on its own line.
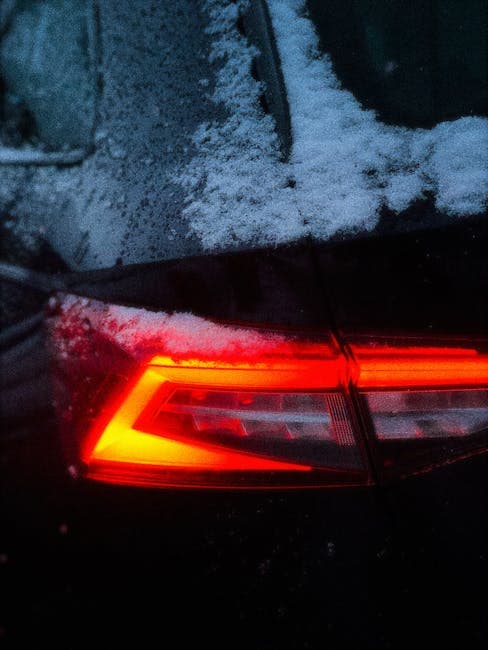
<point x="173" y="400"/>
<point x="192" y="423"/>
<point x="384" y="366"/>
<point x="179" y="401"/>
<point x="423" y="405"/>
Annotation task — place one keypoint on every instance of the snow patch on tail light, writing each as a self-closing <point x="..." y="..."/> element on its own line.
<point x="175" y="400"/>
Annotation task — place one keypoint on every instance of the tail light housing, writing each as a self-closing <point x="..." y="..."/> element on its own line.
<point x="161" y="400"/>
<point x="423" y="405"/>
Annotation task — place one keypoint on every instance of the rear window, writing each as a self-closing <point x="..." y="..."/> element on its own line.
<point x="47" y="80"/>
<point x="416" y="63"/>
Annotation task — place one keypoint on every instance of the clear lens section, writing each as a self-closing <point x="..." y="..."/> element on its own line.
<point x="410" y="415"/>
<point x="288" y="416"/>
<point x="282" y="416"/>
<point x="312" y="428"/>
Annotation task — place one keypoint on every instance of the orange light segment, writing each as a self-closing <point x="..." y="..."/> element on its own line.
<point x="382" y="367"/>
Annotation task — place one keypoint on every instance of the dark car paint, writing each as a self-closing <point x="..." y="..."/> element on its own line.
<point x="433" y="282"/>
<point x="84" y="564"/>
<point x="336" y="568"/>
<point x="380" y="567"/>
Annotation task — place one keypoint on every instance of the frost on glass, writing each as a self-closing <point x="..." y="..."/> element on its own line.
<point x="47" y="83"/>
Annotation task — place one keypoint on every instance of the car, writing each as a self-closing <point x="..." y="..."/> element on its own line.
<point x="239" y="432"/>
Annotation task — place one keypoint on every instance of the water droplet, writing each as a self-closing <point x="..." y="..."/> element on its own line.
<point x="117" y="151"/>
<point x="73" y="471"/>
<point x="53" y="304"/>
<point x="63" y="529"/>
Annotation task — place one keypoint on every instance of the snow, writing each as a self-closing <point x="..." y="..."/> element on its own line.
<point x="346" y="164"/>
<point x="238" y="191"/>
<point x="184" y="157"/>
<point x="119" y="204"/>
<point x="143" y="334"/>
<point x="236" y="183"/>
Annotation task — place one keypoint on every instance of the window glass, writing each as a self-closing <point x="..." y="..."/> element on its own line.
<point x="417" y="62"/>
<point x="47" y="80"/>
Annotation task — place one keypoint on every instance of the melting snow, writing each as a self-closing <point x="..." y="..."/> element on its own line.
<point x="345" y="163"/>
<point x="142" y="333"/>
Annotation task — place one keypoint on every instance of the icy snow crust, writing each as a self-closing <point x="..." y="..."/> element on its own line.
<point x="346" y="164"/>
<point x="142" y="334"/>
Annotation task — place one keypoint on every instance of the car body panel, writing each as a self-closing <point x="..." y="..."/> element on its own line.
<point x="387" y="566"/>
<point x="379" y="567"/>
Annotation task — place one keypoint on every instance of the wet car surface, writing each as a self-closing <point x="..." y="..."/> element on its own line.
<point x="390" y="565"/>
<point x="382" y="565"/>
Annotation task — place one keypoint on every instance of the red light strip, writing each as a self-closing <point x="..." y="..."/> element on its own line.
<point x="389" y="367"/>
<point x="281" y="374"/>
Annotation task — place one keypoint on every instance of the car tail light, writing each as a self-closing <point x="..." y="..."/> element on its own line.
<point x="162" y="400"/>
<point x="158" y="400"/>
<point x="424" y="405"/>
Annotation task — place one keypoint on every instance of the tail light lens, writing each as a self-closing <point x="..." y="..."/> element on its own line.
<point x="425" y="405"/>
<point x="164" y="400"/>
<point x="428" y="415"/>
<point x="158" y="400"/>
